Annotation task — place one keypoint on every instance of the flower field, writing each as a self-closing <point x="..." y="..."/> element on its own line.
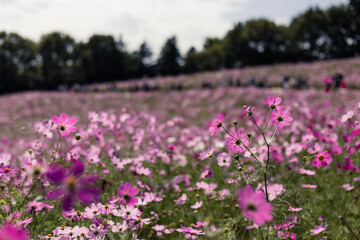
<point x="225" y="163"/>
<point x="314" y="73"/>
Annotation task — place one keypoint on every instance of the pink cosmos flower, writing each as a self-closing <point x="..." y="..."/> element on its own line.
<point x="8" y="170"/>
<point x="128" y="212"/>
<point x="120" y="227"/>
<point x="318" y="229"/>
<point x="308" y="186"/>
<point x="291" y="209"/>
<point x="237" y="141"/>
<point x="223" y="159"/>
<point x="336" y="150"/>
<point x="254" y="206"/>
<point x="65" y="124"/>
<point x="197" y="205"/>
<point x="274" y="190"/>
<point x="10" y="232"/>
<point x="34" y="207"/>
<point x="286" y="235"/>
<point x="272" y="102"/>
<point x="306" y="172"/>
<point x="347" y="187"/>
<point x="201" y="224"/>
<point x="216" y="124"/>
<point x="127" y="193"/>
<point x="207" y="173"/>
<point x="71" y="185"/>
<point x="322" y="159"/>
<point x="247" y="110"/>
<point x="190" y="232"/>
<point x="206" y="154"/>
<point x="281" y="117"/>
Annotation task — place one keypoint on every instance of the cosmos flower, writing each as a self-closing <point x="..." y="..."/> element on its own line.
<point x="292" y="209"/>
<point x="281" y="117"/>
<point x="71" y="185"/>
<point x="65" y="124"/>
<point x="322" y="159"/>
<point x="254" y="205"/>
<point x="223" y="159"/>
<point x="237" y="141"/>
<point x="197" y="205"/>
<point x="318" y="229"/>
<point x="272" y="102"/>
<point x="10" y="232"/>
<point x="216" y="124"/>
<point x="127" y="193"/>
<point x="308" y="186"/>
<point x="247" y="110"/>
<point x="206" y="154"/>
<point x="8" y="170"/>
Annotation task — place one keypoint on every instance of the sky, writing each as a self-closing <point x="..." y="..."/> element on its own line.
<point x="153" y="21"/>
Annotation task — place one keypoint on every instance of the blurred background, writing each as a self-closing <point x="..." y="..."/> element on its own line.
<point x="56" y="45"/>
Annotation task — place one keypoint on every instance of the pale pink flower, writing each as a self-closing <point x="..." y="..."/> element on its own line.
<point x="197" y="205"/>
<point x="318" y="229"/>
<point x="223" y="159"/>
<point x="308" y="186"/>
<point x="291" y="209"/>
<point x="206" y="154"/>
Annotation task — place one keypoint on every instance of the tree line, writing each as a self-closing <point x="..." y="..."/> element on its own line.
<point x="57" y="59"/>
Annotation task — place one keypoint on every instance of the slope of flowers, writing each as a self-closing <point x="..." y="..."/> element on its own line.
<point x="315" y="72"/>
<point x="180" y="165"/>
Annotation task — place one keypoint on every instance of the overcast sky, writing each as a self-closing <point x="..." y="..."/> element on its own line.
<point x="139" y="20"/>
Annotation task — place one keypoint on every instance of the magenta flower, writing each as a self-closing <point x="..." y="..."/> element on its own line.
<point x="127" y="193"/>
<point x="237" y="141"/>
<point x="323" y="159"/>
<point x="8" y="170"/>
<point x="10" y="232"/>
<point x="216" y="124"/>
<point x="281" y="117"/>
<point x="272" y="102"/>
<point x="247" y="110"/>
<point x="65" y="124"/>
<point x="254" y="206"/>
<point x="71" y="185"/>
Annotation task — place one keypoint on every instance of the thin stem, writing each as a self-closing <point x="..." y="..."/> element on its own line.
<point x="38" y="180"/>
<point x="268" y="120"/>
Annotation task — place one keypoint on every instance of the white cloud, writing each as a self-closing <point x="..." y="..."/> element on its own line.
<point x="136" y="20"/>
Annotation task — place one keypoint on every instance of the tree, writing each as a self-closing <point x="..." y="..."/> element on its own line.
<point x="191" y="61"/>
<point x="354" y="12"/>
<point x="57" y="53"/>
<point x="339" y="31"/>
<point x="264" y="39"/>
<point x="169" y="61"/>
<point x="104" y="59"/>
<point x="309" y="35"/>
<point x="18" y="64"/>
